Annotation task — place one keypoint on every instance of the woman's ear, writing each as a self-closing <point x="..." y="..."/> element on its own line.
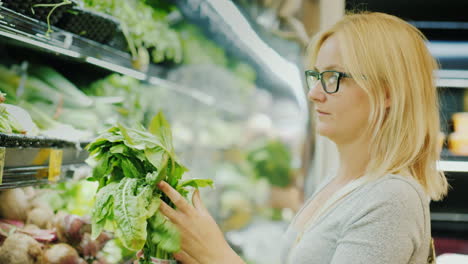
<point x="388" y="102"/>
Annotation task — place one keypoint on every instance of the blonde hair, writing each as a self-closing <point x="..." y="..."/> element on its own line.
<point x="388" y="59"/>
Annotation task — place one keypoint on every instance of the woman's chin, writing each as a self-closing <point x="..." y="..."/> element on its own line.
<point x="324" y="131"/>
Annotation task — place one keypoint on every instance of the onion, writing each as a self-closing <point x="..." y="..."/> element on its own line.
<point x="14" y="205"/>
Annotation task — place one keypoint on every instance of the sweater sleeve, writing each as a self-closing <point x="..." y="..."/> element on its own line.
<point x="386" y="228"/>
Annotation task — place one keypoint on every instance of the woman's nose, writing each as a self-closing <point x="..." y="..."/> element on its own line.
<point x="316" y="93"/>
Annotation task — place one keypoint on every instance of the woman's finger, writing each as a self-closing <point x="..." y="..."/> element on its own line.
<point x="169" y="212"/>
<point x="197" y="202"/>
<point x="175" y="197"/>
<point x="185" y="258"/>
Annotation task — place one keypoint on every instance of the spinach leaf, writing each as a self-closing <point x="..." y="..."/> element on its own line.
<point x="131" y="210"/>
<point x="161" y="128"/>
<point x="102" y="208"/>
<point x="196" y="183"/>
<point x="164" y="233"/>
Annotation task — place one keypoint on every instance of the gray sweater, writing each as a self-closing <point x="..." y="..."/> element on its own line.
<point x="386" y="221"/>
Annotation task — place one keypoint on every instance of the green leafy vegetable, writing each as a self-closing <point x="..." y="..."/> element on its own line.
<point x="272" y="160"/>
<point x="196" y="183"/>
<point x="62" y="85"/>
<point x="129" y="163"/>
<point x="198" y="49"/>
<point x="145" y="28"/>
<point x="8" y="124"/>
<point x="131" y="211"/>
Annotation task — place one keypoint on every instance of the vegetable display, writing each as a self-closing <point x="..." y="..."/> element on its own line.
<point x="31" y="232"/>
<point x="145" y="28"/>
<point x="8" y="124"/>
<point x="45" y="96"/>
<point x="129" y="163"/>
<point x="272" y="160"/>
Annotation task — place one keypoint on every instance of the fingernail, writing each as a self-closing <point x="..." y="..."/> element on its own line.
<point x="160" y="184"/>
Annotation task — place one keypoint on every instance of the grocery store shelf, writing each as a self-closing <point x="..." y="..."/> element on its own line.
<point x="452" y="78"/>
<point x="224" y="23"/>
<point x="449" y="217"/>
<point x="23" y="141"/>
<point x="452" y="163"/>
<point x="32" y="33"/>
<point x="452" y="166"/>
<point x="26" y="161"/>
<point x="25" y="31"/>
<point x="36" y="175"/>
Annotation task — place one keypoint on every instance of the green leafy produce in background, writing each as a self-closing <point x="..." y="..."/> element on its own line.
<point x="197" y="49"/>
<point x="45" y="95"/>
<point x="145" y="28"/>
<point x="8" y="124"/>
<point x="133" y="99"/>
<point x="74" y="197"/>
<point x="272" y="160"/>
<point x="128" y="163"/>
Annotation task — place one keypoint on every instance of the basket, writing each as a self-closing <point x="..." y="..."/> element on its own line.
<point x="26" y="8"/>
<point x="91" y="25"/>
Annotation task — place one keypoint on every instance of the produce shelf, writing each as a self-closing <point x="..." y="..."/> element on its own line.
<point x="27" y="161"/>
<point x="449" y="217"/>
<point x="32" y="33"/>
<point x="21" y="30"/>
<point x="452" y="163"/>
<point x="452" y="78"/>
<point x="35" y="175"/>
<point x="453" y="166"/>
<point x="224" y="23"/>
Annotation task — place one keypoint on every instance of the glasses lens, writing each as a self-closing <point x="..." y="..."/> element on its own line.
<point x="331" y="81"/>
<point x="312" y="79"/>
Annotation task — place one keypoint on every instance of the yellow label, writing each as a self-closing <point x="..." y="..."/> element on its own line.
<point x="41" y="157"/>
<point x="55" y="164"/>
<point x="2" y="163"/>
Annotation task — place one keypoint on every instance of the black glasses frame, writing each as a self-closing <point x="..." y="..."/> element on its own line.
<point x="319" y="76"/>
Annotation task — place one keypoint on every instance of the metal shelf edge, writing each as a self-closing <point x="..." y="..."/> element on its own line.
<point x="452" y="166"/>
<point x="449" y="217"/>
<point x="29" y="176"/>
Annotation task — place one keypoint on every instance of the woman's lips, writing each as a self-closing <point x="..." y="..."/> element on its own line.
<point x="322" y="113"/>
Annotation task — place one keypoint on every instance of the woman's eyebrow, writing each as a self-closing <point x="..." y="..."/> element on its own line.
<point x="330" y="67"/>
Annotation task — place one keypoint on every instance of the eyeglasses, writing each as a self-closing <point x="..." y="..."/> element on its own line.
<point x="330" y="80"/>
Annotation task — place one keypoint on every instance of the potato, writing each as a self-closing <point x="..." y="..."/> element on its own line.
<point x="21" y="249"/>
<point x="61" y="254"/>
<point x="13" y="204"/>
<point x="41" y="217"/>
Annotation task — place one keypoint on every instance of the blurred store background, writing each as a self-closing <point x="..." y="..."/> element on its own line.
<point x="228" y="75"/>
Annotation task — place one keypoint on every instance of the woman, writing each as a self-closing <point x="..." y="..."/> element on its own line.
<point x="372" y="85"/>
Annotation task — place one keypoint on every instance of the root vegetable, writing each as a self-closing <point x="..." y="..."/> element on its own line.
<point x="59" y="224"/>
<point x="30" y="192"/>
<point x="70" y="228"/>
<point x="21" y="249"/>
<point x="88" y="247"/>
<point x="30" y="228"/>
<point x="14" y="204"/>
<point x="61" y="254"/>
<point x="41" y="235"/>
<point x="41" y="216"/>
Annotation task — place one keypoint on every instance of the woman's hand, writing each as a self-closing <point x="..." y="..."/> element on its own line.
<point x="202" y="242"/>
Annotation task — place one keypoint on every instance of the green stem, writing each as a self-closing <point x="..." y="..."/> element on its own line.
<point x="131" y="44"/>
<point x="54" y="6"/>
